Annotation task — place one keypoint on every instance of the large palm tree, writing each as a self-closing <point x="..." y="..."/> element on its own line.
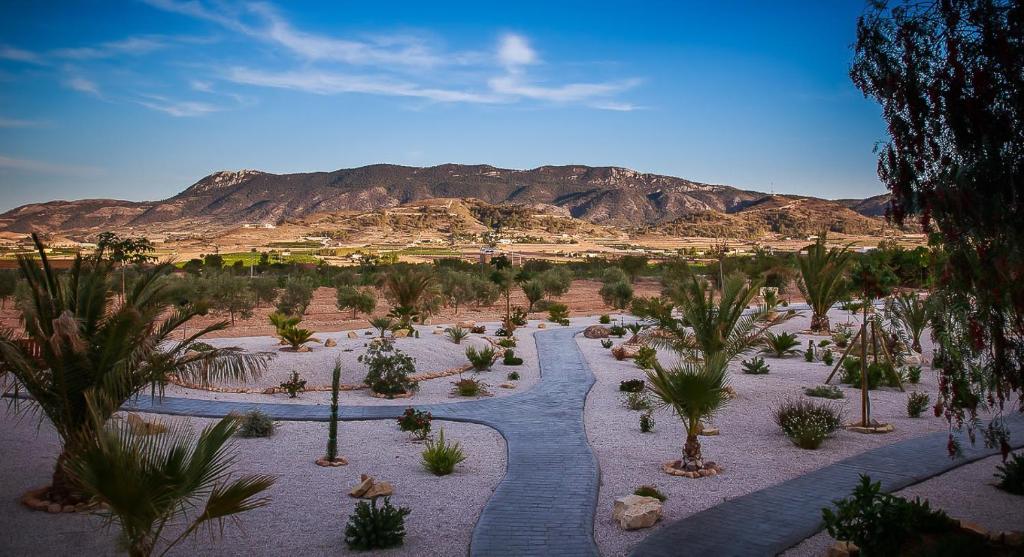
<point x="822" y="280"/>
<point x="695" y="391"/>
<point x="147" y="482"/>
<point x="81" y="342"/>
<point x="413" y="291"/>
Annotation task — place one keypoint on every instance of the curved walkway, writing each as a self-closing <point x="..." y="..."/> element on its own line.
<point x="774" y="519"/>
<point x="545" y="503"/>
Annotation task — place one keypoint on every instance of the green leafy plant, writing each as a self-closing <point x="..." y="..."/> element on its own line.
<point x="780" y="345"/>
<point x="296" y="337"/>
<point x="827" y="358"/>
<point x="650" y="491"/>
<point x="822" y="280"/>
<point x="809" y="353"/>
<point x="825" y="391"/>
<point x="637" y="401"/>
<point x="914" y="374"/>
<point x="441" y="457"/>
<point x="558" y="313"/>
<point x="382" y="325"/>
<point x="510" y="358"/>
<point x="842" y="334"/>
<point x="370" y="527"/>
<point x="201" y="347"/>
<point x="646" y="422"/>
<point x="807" y="423"/>
<point x="294" y="385"/>
<point x="912" y="314"/>
<point x="824" y="343"/>
<point x="507" y="343"/>
<point x="617" y="331"/>
<point x="332" y="425"/>
<point x="604" y="319"/>
<point x="755" y="366"/>
<point x="282" y="322"/>
<point x="917" y="403"/>
<point x="388" y="368"/>
<point x="646" y="357"/>
<point x="456" y="334"/>
<point x="469" y="387"/>
<point x="513" y="376"/>
<point x="1011" y="474"/>
<point x="606" y="343"/>
<point x="416" y="422"/>
<point x="255" y="424"/>
<point x="482" y="359"/>
<point x="632" y="385"/>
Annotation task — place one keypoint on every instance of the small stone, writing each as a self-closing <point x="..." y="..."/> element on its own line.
<point x="303" y="348"/>
<point x="68" y="509"/>
<point x="541" y="326"/>
<point x="974" y="528"/>
<point x="352" y="334"/>
<point x="843" y="549"/>
<point x="466" y="324"/>
<point x="401" y="333"/>
<point x="330" y="343"/>
<point x="596" y="331"/>
<point x="507" y="385"/>
<point x="54" y="508"/>
<point x="366" y="482"/>
<point x="379" y="489"/>
<point x="709" y="431"/>
<point x="438" y="331"/>
<point x="633" y="512"/>
<point x="270" y="391"/>
<point x="712" y="471"/>
<point x="710" y="464"/>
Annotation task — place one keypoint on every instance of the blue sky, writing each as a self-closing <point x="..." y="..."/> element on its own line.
<point x="138" y="100"/>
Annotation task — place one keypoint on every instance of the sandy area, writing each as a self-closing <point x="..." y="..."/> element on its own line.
<point x="751" y="448"/>
<point x="309" y="504"/>
<point x="966" y="493"/>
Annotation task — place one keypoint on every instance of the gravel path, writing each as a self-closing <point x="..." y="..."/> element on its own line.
<point x="309" y="504"/>
<point x="752" y="449"/>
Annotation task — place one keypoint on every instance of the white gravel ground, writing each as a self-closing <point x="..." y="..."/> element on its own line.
<point x="309" y="504"/>
<point x="431" y="352"/>
<point x="751" y="448"/>
<point x="966" y="493"/>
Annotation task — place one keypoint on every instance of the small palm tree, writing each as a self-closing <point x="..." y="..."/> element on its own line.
<point x="382" y="324"/>
<point x="780" y="345"/>
<point x="822" y="280"/>
<point x="413" y="291"/>
<point x="695" y="391"/>
<point x="296" y="337"/>
<point x="150" y="481"/>
<point x="281" y="321"/>
<point x="912" y="313"/>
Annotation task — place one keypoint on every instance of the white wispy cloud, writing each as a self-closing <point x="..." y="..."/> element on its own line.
<point x="177" y="108"/>
<point x="45" y="167"/>
<point x="20" y="123"/>
<point x="20" y="55"/>
<point x="134" y="46"/>
<point x="201" y="86"/>
<point x="82" y="85"/>
<point x="514" y="51"/>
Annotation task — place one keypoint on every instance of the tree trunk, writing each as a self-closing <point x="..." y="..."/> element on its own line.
<point x="142" y="547"/>
<point x="819" y="323"/>
<point x="691" y="451"/>
<point x="61" y="487"/>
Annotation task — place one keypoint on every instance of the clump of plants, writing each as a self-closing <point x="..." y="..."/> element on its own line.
<point x="650" y="491"/>
<point x="456" y="334"/>
<point x="510" y="358"/>
<point x="388" y="369"/>
<point x="878" y="373"/>
<point x="807" y="423"/>
<point x="441" y="457"/>
<point x="482" y="359"/>
<point x="507" y="342"/>
<point x="371" y="527"/>
<point x="755" y="366"/>
<point x="558" y="313"/>
<point x="415" y="422"/>
<point x="825" y="391"/>
<point x="646" y="358"/>
<point x="255" y="424"/>
<point x="481" y="329"/>
<point x="914" y="374"/>
<point x="842" y="334"/>
<point x="617" y="331"/>
<point x="1011" y="474"/>
<point x="809" y="353"/>
<point x="637" y="401"/>
<point x="513" y="376"/>
<point x="294" y="385"/>
<point x="606" y="343"/>
<point x="883" y="524"/>
<point x="469" y="387"/>
<point x="823" y="343"/>
<point x="917" y="403"/>
<point x="646" y="422"/>
<point x="780" y="345"/>
<point x="605" y="319"/>
<point x="827" y="358"/>
<point x="632" y="385"/>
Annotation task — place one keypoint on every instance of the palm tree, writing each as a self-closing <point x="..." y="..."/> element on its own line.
<point x="149" y="481"/>
<point x="695" y="391"/>
<point x="81" y="343"/>
<point x="296" y="337"/>
<point x="822" y="280"/>
<point x="413" y="292"/>
<point x="912" y="313"/>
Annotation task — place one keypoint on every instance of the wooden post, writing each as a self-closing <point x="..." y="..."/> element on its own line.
<point x="865" y="411"/>
<point x="846" y="353"/>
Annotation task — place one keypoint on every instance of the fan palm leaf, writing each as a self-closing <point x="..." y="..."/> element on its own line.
<point x="822" y="279"/>
<point x="695" y="391"/>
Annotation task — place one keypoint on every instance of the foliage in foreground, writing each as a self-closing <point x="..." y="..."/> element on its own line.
<point x="441" y="457"/>
<point x="917" y="403"/>
<point x="1011" y="474"/>
<point x="371" y="527"/>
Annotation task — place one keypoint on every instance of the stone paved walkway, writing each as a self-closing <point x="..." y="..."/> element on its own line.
<point x="772" y="520"/>
<point x="545" y="503"/>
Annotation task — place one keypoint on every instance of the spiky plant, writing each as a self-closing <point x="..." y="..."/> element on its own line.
<point x="382" y="324"/>
<point x="822" y="281"/>
<point x="80" y="340"/>
<point x="413" y="292"/>
<point x="296" y="337"/>
<point x="695" y="391"/>
<point x="371" y="527"/>
<point x="912" y="313"/>
<point x="332" y="428"/>
<point x="282" y="322"/>
<point x="780" y="345"/>
<point x="152" y="481"/>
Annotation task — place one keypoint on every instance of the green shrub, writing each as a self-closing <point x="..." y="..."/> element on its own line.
<point x="877" y="373"/>
<point x="605" y="319"/>
<point x="200" y="347"/>
<point x="510" y="358"/>
<point x="370" y="527"/>
<point x="388" y="368"/>
<point x="881" y="524"/>
<point x="637" y="401"/>
<point x="650" y="491"/>
<point x="606" y="343"/>
<point x="469" y="387"/>
<point x="632" y="385"/>
<point x="294" y="385"/>
<point x="507" y="342"/>
<point x="914" y="374"/>
<point x="646" y="422"/>
<point x="827" y="358"/>
<point x="807" y="423"/>
<point x="617" y="331"/>
<point x="513" y="376"/>
<point x="456" y="334"/>
<point x="755" y="366"/>
<point x="780" y="345"/>
<point x="917" y="403"/>
<point x="824" y="342"/>
<point x="841" y="335"/>
<point x="1011" y="474"/>
<point x="646" y="357"/>
<point x="255" y="424"/>
<point x="809" y="353"/>
<point x="825" y="391"/>
<point x="482" y="359"/>
<point x="416" y="422"/>
<point x="558" y="313"/>
<point x="441" y="457"/>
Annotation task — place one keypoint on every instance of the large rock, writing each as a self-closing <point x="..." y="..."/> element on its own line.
<point x="400" y="333"/>
<point x="330" y="343"/>
<point x="352" y="334"/>
<point x="633" y="512"/>
<point x="466" y="324"/>
<point x="596" y="331"/>
<point x="369" y="488"/>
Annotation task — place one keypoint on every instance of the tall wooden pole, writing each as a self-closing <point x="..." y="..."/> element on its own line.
<point x="864" y="409"/>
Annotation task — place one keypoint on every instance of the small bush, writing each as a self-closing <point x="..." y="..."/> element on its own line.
<point x="606" y="343"/>
<point x="809" y="353"/>
<point x="440" y="457"/>
<point x="294" y="385"/>
<point x="370" y="527"/>
<point x="456" y="334"/>
<point x="482" y="359"/>
<point x="755" y="366"/>
<point x="780" y="345"/>
<point x="255" y="424"/>
<point x="842" y="334"/>
<point x="558" y="313"/>
<point x="388" y="368"/>
<point x="851" y="373"/>
<point x="200" y="347"/>
<point x="827" y="358"/>
<point x="917" y="403"/>
<point x="511" y="359"/>
<point x="824" y="342"/>
<point x="914" y="374"/>
<point x="605" y="319"/>
<point x="646" y="357"/>
<point x="808" y="423"/>
<point x="646" y="422"/>
<point x="632" y="385"/>
<point x="637" y="401"/>
<point x="415" y="422"/>
<point x="825" y="391"/>
<point x="479" y="329"/>
<point x="617" y="331"/>
<point x="469" y="387"/>
<point x="1011" y="475"/>
<point x="513" y="376"/>
<point x="650" y="491"/>
<point x="507" y="342"/>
